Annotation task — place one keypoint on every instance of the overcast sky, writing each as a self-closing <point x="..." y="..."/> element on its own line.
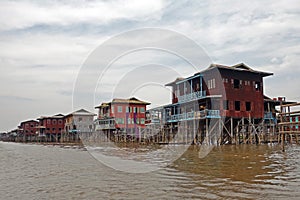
<point x="45" y="43"/>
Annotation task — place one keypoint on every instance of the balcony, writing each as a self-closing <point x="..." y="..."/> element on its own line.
<point x="269" y="116"/>
<point x="203" y="114"/>
<point x="104" y="124"/>
<point x="191" y="96"/>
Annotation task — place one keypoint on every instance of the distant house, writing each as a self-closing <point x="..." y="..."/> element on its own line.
<point x="51" y="127"/>
<point x="80" y="120"/>
<point x="122" y="114"/>
<point x="28" y="129"/>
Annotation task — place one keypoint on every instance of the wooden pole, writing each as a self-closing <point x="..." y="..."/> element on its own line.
<point x="231" y="129"/>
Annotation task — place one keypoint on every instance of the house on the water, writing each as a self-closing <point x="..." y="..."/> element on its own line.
<point x="28" y="130"/>
<point x="50" y="128"/>
<point x="221" y="103"/>
<point x="80" y="121"/>
<point x="122" y="115"/>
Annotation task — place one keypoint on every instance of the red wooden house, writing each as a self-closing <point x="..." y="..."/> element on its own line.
<point x="51" y="127"/>
<point x="222" y="91"/>
<point x="228" y="93"/>
<point x="123" y="114"/>
<point x="28" y="129"/>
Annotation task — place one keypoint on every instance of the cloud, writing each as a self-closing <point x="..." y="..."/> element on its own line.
<point x="31" y="13"/>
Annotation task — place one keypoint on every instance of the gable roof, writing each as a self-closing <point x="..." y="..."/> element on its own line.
<point x="31" y="120"/>
<point x="131" y="100"/>
<point x="57" y="116"/>
<point x="81" y="112"/>
<point x="238" y="67"/>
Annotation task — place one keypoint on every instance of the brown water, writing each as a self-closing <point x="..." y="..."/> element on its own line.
<point x="228" y="172"/>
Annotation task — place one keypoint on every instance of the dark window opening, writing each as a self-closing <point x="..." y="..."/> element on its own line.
<point x="226" y="105"/>
<point x="237" y="105"/>
<point x="248" y="106"/>
<point x="257" y="86"/>
<point x="236" y="83"/>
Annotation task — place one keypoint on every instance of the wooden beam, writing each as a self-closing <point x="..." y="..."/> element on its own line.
<point x="291" y="104"/>
<point x="288" y="123"/>
<point x="289" y="113"/>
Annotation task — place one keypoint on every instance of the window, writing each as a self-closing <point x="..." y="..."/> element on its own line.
<point x="142" y="110"/>
<point x="129" y="121"/>
<point x="119" y="109"/>
<point x="48" y="121"/>
<point x="142" y="120"/>
<point x="226" y="105"/>
<point x="120" y="120"/>
<point x="127" y="109"/>
<point x="54" y="121"/>
<point x="80" y="119"/>
<point x="257" y="86"/>
<point x="248" y="106"/>
<point x="211" y="84"/>
<point x="135" y="110"/>
<point x="237" y="105"/>
<point x="236" y="83"/>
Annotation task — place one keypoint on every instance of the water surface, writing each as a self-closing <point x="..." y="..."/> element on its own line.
<point x="228" y="172"/>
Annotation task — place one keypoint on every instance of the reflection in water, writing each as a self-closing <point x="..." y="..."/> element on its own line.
<point x="239" y="172"/>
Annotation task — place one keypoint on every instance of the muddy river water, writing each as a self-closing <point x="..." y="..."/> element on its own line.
<point x="227" y="172"/>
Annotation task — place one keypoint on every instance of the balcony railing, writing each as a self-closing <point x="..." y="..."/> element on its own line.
<point x="194" y="115"/>
<point x="191" y="96"/>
